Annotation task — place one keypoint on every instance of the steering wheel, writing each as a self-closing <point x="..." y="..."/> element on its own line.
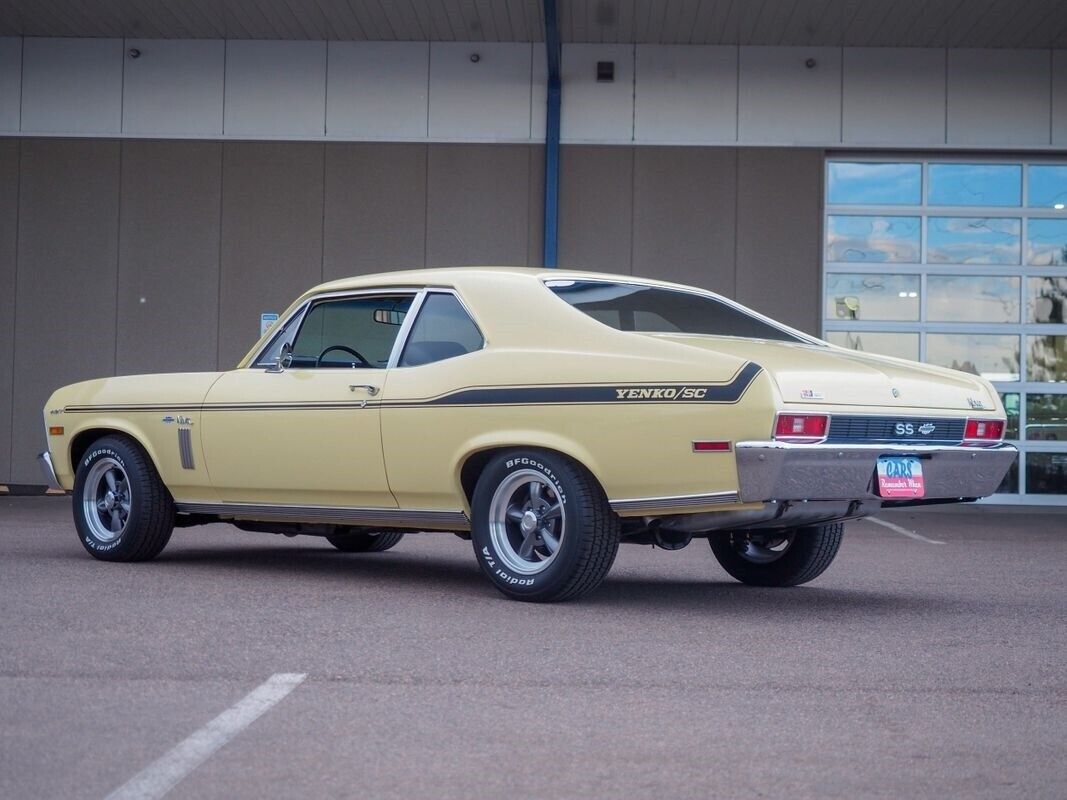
<point x="349" y="350"/>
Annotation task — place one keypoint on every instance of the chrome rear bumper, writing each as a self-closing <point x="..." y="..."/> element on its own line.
<point x="776" y="471"/>
<point x="48" y="471"/>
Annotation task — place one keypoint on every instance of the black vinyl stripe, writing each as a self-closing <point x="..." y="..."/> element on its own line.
<point x="587" y="394"/>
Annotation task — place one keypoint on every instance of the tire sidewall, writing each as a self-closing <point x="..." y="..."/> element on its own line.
<point x="561" y="475"/>
<point x="127" y="541"/>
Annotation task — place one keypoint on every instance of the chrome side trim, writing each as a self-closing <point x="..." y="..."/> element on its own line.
<point x="338" y="515"/>
<point x="641" y="504"/>
<point x="776" y="471"/>
<point x="44" y="460"/>
<point x="185" y="448"/>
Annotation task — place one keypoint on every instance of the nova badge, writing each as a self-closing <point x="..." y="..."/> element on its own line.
<point x="974" y="403"/>
<point x="810" y="394"/>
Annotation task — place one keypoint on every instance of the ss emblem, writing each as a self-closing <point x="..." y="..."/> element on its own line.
<point x="905" y="429"/>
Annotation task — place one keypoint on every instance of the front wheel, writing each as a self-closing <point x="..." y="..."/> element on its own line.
<point x="122" y="510"/>
<point x="542" y="528"/>
<point x="778" y="558"/>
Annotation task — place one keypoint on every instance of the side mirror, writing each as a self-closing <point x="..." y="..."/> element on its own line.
<point x="388" y="316"/>
<point x="285" y="359"/>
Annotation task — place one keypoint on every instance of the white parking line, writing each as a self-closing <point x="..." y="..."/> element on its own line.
<point x="902" y="531"/>
<point x="162" y="775"/>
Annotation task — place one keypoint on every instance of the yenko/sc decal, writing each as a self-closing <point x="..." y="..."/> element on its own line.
<point x="662" y="393"/>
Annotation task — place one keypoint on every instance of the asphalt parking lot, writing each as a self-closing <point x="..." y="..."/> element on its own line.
<point x="910" y="669"/>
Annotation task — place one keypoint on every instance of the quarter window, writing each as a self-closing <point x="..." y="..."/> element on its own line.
<point x="442" y="330"/>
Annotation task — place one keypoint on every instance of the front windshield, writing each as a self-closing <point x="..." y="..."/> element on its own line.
<point x="650" y="309"/>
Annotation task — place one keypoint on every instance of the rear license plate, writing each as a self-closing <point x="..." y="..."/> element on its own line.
<point x="900" y="477"/>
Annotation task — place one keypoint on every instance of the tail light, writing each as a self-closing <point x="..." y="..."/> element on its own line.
<point x="983" y="431"/>
<point x="801" y="428"/>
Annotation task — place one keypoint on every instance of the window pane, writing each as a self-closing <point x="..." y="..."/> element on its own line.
<point x="973" y="240"/>
<point x="443" y="330"/>
<point x="976" y="184"/>
<point x="1046" y="299"/>
<point x="1046" y="417"/>
<point x="633" y="307"/>
<point x="345" y="334"/>
<point x="967" y="298"/>
<point x="1046" y="473"/>
<point x="1011" y="408"/>
<point x="1048" y="186"/>
<point x="898" y="345"/>
<point x="1047" y="358"/>
<point x="872" y="239"/>
<point x="995" y="358"/>
<point x="879" y="297"/>
<point x="1046" y="242"/>
<point x="875" y="184"/>
<point x="1010" y="484"/>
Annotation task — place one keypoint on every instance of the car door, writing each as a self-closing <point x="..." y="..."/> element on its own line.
<point x="301" y="425"/>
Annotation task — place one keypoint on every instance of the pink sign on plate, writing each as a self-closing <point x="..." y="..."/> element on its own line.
<point x="900" y="477"/>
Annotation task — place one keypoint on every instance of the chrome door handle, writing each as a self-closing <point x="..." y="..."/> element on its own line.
<point x="371" y="390"/>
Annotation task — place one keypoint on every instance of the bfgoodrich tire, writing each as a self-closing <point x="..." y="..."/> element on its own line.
<point x="122" y="510"/>
<point x="364" y="541"/>
<point x="778" y="558"/>
<point x="542" y="528"/>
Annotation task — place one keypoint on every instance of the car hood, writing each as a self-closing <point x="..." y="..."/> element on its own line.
<point x="828" y="375"/>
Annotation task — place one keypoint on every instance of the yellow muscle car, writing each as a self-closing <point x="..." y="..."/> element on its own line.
<point x="546" y="415"/>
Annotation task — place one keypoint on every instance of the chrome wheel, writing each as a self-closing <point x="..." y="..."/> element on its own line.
<point x="106" y="500"/>
<point x="762" y="548"/>
<point x="526" y="522"/>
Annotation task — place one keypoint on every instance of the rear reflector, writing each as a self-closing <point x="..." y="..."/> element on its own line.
<point x="801" y="427"/>
<point x="711" y="447"/>
<point x="984" y="430"/>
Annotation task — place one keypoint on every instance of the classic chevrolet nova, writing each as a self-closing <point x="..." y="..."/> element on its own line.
<point x="546" y="415"/>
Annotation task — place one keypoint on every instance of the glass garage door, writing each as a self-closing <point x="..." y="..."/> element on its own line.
<point x="961" y="263"/>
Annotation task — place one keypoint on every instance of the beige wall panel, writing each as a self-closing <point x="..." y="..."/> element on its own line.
<point x="375" y="208"/>
<point x="67" y="270"/>
<point x="9" y="215"/>
<point x="684" y="215"/>
<point x="779" y="231"/>
<point x="595" y="207"/>
<point x="477" y="205"/>
<point x="272" y="194"/>
<point x="168" y="300"/>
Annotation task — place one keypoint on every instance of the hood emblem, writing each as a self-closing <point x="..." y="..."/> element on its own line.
<point x="927" y="428"/>
<point x="895" y="391"/>
<point x="973" y="403"/>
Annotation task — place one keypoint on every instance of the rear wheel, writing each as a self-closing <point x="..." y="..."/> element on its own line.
<point x="122" y="510"/>
<point x="542" y="528"/>
<point x="364" y="541"/>
<point x="778" y="558"/>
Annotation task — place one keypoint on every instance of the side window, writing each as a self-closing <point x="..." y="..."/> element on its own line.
<point x="442" y="330"/>
<point x="349" y="333"/>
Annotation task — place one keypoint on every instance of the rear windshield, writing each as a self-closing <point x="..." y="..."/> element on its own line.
<point x="649" y="309"/>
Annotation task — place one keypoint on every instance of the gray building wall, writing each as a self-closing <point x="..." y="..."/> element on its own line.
<point x="121" y="257"/>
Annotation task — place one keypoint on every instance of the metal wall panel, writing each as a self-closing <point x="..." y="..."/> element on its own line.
<point x="686" y="94"/>
<point x="272" y="198"/>
<point x="168" y="293"/>
<point x="484" y="99"/>
<point x="893" y="96"/>
<point x="685" y="215"/>
<point x="10" y="85"/>
<point x="9" y="215"/>
<point x="1059" y="98"/>
<point x="596" y="208"/>
<point x="72" y="86"/>
<point x="377" y="90"/>
<point x="67" y="269"/>
<point x="375" y="208"/>
<point x="779" y="233"/>
<point x="603" y="112"/>
<point x="535" y="248"/>
<point x="477" y="205"/>
<point x="174" y="87"/>
<point x="999" y="97"/>
<point x="275" y="88"/>
<point x="784" y="102"/>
